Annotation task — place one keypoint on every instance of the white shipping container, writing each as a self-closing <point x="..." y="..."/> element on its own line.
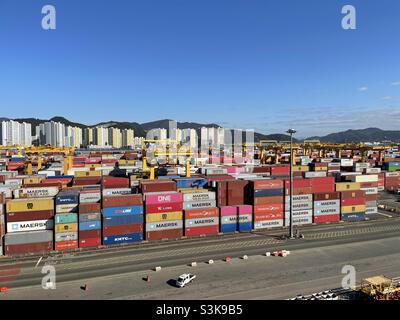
<point x="30" y="225"/>
<point x="8" y="191"/>
<point x="201" y="222"/>
<point x="89" y="197"/>
<point x="40" y="192"/>
<point x="48" y="173"/>
<point x="346" y="162"/>
<point x="198" y="196"/>
<point x="116" y="191"/>
<point x="299" y="220"/>
<point x="268" y="224"/>
<point x="392" y="174"/>
<point x="370" y="190"/>
<point x="13" y="182"/>
<point x="300" y="198"/>
<point x="373" y="170"/>
<point x="314" y="174"/>
<point x="366" y="178"/>
<point x="66" y="208"/>
<point x="371" y="210"/>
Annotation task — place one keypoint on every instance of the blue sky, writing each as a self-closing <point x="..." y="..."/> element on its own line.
<point x="261" y="64"/>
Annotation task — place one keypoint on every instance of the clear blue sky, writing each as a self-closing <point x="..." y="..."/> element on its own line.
<point x="259" y="64"/>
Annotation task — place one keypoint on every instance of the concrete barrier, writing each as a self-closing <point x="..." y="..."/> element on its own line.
<point x="193" y="264"/>
<point x="268" y="254"/>
<point x="157" y="269"/>
<point x="210" y="261"/>
<point x="245" y="257"/>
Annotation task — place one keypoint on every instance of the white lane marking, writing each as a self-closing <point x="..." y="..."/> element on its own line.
<point x="40" y="259"/>
<point x="385" y="214"/>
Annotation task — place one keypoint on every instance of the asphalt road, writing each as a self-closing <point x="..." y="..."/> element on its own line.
<point x="330" y="244"/>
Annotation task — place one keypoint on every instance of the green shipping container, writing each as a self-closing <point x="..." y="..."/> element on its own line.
<point x="66" y="218"/>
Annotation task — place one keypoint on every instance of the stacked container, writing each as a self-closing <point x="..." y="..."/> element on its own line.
<point x="228" y="219"/>
<point x="122" y="219"/>
<point x="245" y="218"/>
<point x="89" y="225"/>
<point x="267" y="198"/>
<point x="352" y="201"/>
<point x="26" y="219"/>
<point x="302" y="201"/>
<point x="199" y="222"/>
<point x="164" y="219"/>
<point x="198" y="200"/>
<point x="369" y="184"/>
<point x="66" y="220"/>
<point x="392" y="181"/>
<point x="326" y="207"/>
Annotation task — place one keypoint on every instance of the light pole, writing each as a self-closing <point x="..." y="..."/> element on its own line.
<point x="291" y="132"/>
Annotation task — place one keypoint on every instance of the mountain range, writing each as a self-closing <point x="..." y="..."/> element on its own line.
<point x="140" y="129"/>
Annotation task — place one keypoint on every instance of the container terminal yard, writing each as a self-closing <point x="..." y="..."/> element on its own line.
<point x="123" y="223"/>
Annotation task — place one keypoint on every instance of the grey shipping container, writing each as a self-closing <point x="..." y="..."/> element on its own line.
<point x="86" y="217"/>
<point x="28" y="237"/>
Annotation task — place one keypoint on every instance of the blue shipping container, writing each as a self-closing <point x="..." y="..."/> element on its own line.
<point x="191" y="183"/>
<point x="231" y="227"/>
<point x="119" y="211"/>
<point x="67" y="198"/>
<point x="122" y="220"/>
<point x="123" y="238"/>
<point x="245" y="226"/>
<point x="355" y="216"/>
<point x="90" y="225"/>
<point x="268" y="192"/>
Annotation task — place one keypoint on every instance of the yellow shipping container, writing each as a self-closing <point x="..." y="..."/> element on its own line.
<point x="347" y="186"/>
<point x="92" y="165"/>
<point x="22" y="205"/>
<point x="191" y="190"/>
<point x="93" y="173"/>
<point x="351" y="209"/>
<point x="66" y="227"/>
<point x="124" y="162"/>
<point x="157" y="217"/>
<point x="31" y="180"/>
<point x="321" y="169"/>
<point x="300" y="168"/>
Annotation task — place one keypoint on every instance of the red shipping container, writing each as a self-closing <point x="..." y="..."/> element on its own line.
<point x="298" y="183"/>
<point x="89" y="242"/>
<point x="162" y="208"/>
<point x="371" y="197"/>
<point x="267" y="200"/>
<point x="201" y="213"/>
<point x="267" y="184"/>
<point x="29" y="216"/>
<point x="368" y="184"/>
<point x="267" y="216"/>
<point x="86" y="181"/>
<point x="317" y="181"/>
<point x="66" y="245"/>
<point x="164" y="234"/>
<point x="113" y="182"/>
<point x="48" y="184"/>
<point x="280" y="171"/>
<point x="352" y="194"/>
<point x="89" y="234"/>
<point x="327" y="218"/>
<point x="197" y="231"/>
<point x="326" y="196"/>
<point x="323" y="188"/>
<point x="122" y="229"/>
<point x="158" y="186"/>
<point x="261" y="170"/>
<point x="123" y="200"/>
<point x="353" y="202"/>
<point x="89" y="207"/>
<point x="17" y="249"/>
<point x="268" y="208"/>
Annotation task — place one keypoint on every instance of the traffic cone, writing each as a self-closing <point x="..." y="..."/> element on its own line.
<point x="148" y="278"/>
<point x="3" y="289"/>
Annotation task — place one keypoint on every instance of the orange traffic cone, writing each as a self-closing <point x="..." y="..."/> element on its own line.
<point x="3" y="289"/>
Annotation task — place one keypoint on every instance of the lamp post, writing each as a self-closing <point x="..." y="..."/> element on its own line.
<point x="291" y="132"/>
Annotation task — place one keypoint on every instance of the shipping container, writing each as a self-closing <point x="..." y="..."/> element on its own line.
<point x="122" y="200"/>
<point x="201" y="230"/>
<point x="29" y="216"/>
<point x="164" y="234"/>
<point x="28" y="237"/>
<point x="117" y="211"/>
<point x="23" y="205"/>
<point x="66" y="236"/>
<point x="66" y="218"/>
<point x="122" y="229"/>
<point x="156" y="217"/>
<point x="90" y="234"/>
<point x="66" y="227"/>
<point x="165" y="225"/>
<point x="123" y="238"/>
<point x="163" y="198"/>
<point x="36" y="192"/>
<point x="327" y="218"/>
<point x="201" y="213"/>
<point x="86" y="217"/>
<point x="89" y="225"/>
<point x="122" y="220"/>
<point x="162" y="208"/>
<point x="28" y="248"/>
<point x="199" y="204"/>
<point x="66" y="245"/>
<point x="268" y="224"/>
<point x="37" y="225"/>
<point x="89" y="207"/>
